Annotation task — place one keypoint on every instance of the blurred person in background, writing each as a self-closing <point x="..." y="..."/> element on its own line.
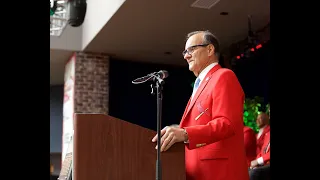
<point x="250" y="144"/>
<point x="263" y="124"/>
<point x="260" y="167"/>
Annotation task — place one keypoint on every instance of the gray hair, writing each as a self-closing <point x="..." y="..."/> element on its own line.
<point x="208" y="38"/>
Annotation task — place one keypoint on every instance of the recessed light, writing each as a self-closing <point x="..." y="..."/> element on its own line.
<point x="224" y="13"/>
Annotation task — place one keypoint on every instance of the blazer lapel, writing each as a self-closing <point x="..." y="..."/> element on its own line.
<point x="200" y="89"/>
<point x="185" y="111"/>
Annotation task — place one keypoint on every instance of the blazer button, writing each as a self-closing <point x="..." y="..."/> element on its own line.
<point x="200" y="145"/>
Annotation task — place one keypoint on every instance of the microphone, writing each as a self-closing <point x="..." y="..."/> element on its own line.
<point x="162" y="74"/>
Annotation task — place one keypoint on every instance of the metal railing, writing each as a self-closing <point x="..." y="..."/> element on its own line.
<point x="59" y="19"/>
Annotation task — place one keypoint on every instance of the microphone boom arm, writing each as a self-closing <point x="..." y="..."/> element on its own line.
<point x="157" y="77"/>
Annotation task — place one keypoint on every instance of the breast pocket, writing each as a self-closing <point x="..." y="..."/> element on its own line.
<point x="204" y="108"/>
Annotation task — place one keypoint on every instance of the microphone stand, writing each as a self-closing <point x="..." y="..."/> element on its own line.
<point x="159" y="85"/>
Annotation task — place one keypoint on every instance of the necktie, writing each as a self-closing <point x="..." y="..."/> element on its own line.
<point x="195" y="87"/>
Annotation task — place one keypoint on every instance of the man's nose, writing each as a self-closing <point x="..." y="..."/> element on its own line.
<point x="187" y="56"/>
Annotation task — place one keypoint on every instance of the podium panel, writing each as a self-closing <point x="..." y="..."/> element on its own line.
<point x="107" y="148"/>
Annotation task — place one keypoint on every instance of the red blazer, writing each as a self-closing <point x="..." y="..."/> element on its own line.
<point x="265" y="150"/>
<point x="250" y="144"/>
<point x="214" y="123"/>
<point x="260" y="140"/>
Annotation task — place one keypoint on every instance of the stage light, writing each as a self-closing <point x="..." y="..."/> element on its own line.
<point x="258" y="46"/>
<point x="249" y="51"/>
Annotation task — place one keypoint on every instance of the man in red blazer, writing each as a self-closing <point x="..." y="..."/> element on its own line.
<point x="212" y="124"/>
<point x="249" y="144"/>
<point x="260" y="167"/>
<point x="264" y="128"/>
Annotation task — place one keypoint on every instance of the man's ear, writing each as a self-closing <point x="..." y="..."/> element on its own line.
<point x="211" y="50"/>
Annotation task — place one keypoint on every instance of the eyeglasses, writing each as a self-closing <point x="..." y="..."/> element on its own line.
<point x="190" y="49"/>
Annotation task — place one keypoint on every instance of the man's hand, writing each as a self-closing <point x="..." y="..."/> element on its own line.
<point x="169" y="136"/>
<point x="254" y="164"/>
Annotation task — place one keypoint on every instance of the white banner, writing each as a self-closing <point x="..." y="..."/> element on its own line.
<point x="68" y="104"/>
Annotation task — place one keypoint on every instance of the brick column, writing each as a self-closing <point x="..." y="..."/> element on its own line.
<point x="91" y="83"/>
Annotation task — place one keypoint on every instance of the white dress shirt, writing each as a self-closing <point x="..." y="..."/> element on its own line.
<point x="260" y="132"/>
<point x="202" y="75"/>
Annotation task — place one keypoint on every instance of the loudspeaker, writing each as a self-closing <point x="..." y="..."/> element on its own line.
<point x="77" y="12"/>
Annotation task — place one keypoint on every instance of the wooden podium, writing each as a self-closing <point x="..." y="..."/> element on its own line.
<point x="107" y="148"/>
